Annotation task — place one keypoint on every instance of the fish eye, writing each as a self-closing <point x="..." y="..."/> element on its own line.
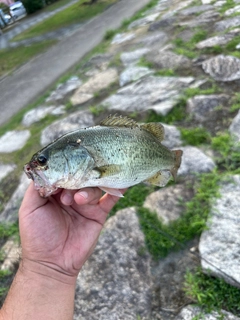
<point x="42" y="160"/>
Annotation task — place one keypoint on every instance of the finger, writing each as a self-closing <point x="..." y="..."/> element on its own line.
<point x="67" y="197"/>
<point x="31" y="201"/>
<point x="108" y="201"/>
<point x="88" y="196"/>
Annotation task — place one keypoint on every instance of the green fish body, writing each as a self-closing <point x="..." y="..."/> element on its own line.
<point x="117" y="154"/>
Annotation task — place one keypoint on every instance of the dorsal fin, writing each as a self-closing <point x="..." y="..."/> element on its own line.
<point x="118" y="121"/>
<point x="154" y="128"/>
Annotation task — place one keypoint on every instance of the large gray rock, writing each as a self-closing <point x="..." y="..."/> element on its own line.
<point x="143" y="21"/>
<point x="13" y="140"/>
<point x="156" y="40"/>
<point x="236" y="9"/>
<point x="203" y="106"/>
<point x="235" y="127"/>
<point x="5" y="169"/>
<point x="168" y="60"/>
<point x="10" y="212"/>
<point x="98" y="82"/>
<point x="220" y="243"/>
<point x="155" y="93"/>
<point x="131" y="58"/>
<point x="223" y="68"/>
<point x="226" y="24"/>
<point x="166" y="202"/>
<point x="196" y="10"/>
<point x="218" y="40"/>
<point x="77" y="120"/>
<point x="194" y="312"/>
<point x="115" y="283"/>
<point x="133" y="73"/>
<point x="36" y="115"/>
<point x="122" y="37"/>
<point x="172" y="136"/>
<point x="195" y="161"/>
<point x="64" y="89"/>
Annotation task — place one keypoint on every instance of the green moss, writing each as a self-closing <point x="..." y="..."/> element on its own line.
<point x="228" y="152"/>
<point x="175" y="115"/>
<point x="134" y="197"/>
<point x="161" y="239"/>
<point x="195" y="136"/>
<point x="191" y="92"/>
<point x="165" y="72"/>
<point x="212" y="293"/>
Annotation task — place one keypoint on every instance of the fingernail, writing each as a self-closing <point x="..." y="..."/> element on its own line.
<point x="67" y="199"/>
<point x="84" y="194"/>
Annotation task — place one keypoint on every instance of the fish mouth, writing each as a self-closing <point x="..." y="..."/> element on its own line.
<point x="41" y="183"/>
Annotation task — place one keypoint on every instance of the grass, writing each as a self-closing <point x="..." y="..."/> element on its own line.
<point x="11" y="59"/>
<point x="75" y="14"/>
<point x="161" y="239"/>
<point x="195" y="136"/>
<point x="212" y="293"/>
<point x="228" y="158"/>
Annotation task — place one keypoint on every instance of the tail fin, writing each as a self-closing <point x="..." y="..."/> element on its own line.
<point x="177" y="162"/>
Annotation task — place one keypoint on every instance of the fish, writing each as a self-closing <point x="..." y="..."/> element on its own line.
<point x="116" y="154"/>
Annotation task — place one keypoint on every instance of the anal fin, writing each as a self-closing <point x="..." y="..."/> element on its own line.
<point x="160" y="179"/>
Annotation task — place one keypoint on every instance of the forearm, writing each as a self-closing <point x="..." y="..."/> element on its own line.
<point x="39" y="293"/>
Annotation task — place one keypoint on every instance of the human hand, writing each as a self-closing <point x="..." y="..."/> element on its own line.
<point x="60" y="232"/>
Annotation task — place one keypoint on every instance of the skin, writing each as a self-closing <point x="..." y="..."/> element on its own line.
<point x="58" y="234"/>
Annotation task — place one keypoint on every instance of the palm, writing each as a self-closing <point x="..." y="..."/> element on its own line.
<point x="59" y="235"/>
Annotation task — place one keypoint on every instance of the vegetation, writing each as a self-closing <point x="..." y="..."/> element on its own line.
<point x="10" y="58"/>
<point x="210" y="292"/>
<point x="75" y="14"/>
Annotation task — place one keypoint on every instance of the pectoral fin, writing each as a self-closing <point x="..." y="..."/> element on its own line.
<point x="160" y="179"/>
<point x="108" y="170"/>
<point x="113" y="192"/>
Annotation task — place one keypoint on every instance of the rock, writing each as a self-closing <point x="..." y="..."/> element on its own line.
<point x="204" y="19"/>
<point x="172" y="136"/>
<point x="226" y="24"/>
<point x="57" y="111"/>
<point x="10" y="212"/>
<point x="115" y="282"/>
<point x="195" y="161"/>
<point x="5" y="169"/>
<point x="100" y="81"/>
<point x="77" y="120"/>
<point x="223" y="68"/>
<point x="169" y="277"/>
<point x="13" y="140"/>
<point x="220" y="244"/>
<point x="11" y="254"/>
<point x="155" y="93"/>
<point x="97" y="61"/>
<point x="218" y="40"/>
<point x="122" y="37"/>
<point x="36" y="115"/>
<point x="232" y="10"/>
<point x="133" y="73"/>
<point x="168" y="60"/>
<point x="143" y="21"/>
<point x="64" y="89"/>
<point x="206" y="1"/>
<point x="196" y="10"/>
<point x="234" y="128"/>
<point x="166" y="202"/>
<point x="194" y="312"/>
<point x="161" y="24"/>
<point x="203" y="106"/>
<point x="156" y="40"/>
<point x="220" y="3"/>
<point x="131" y="58"/>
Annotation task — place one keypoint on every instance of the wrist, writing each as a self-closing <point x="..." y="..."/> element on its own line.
<point x="43" y="271"/>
